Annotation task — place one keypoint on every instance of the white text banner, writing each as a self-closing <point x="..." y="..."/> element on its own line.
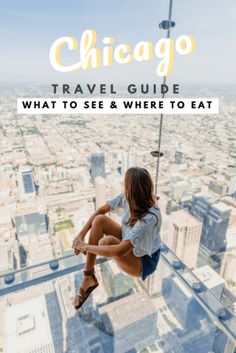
<point x="117" y="106"/>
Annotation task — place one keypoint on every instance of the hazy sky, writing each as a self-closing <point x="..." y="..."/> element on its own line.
<point x="28" y="28"/>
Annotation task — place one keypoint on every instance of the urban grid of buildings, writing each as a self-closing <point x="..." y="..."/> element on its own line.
<point x="55" y="171"/>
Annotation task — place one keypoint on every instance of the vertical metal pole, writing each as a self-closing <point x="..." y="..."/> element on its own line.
<point x="161" y="118"/>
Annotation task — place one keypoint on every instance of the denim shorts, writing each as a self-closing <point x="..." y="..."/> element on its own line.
<point x="149" y="263"/>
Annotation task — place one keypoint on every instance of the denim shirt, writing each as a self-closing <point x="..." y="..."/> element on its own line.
<point x="145" y="234"/>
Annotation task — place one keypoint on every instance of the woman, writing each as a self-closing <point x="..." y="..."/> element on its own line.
<point x="135" y="245"/>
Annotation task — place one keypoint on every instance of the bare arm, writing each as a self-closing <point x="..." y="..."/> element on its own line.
<point x="101" y="210"/>
<point x="119" y="250"/>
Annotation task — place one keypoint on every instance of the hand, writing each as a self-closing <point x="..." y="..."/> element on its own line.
<point x="80" y="247"/>
<point x="79" y="237"/>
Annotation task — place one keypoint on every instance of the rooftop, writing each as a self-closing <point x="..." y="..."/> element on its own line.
<point x="128" y="310"/>
<point x="209" y="277"/>
<point x="221" y="206"/>
<point x="27" y="326"/>
<point x="158" y="313"/>
<point x="184" y="219"/>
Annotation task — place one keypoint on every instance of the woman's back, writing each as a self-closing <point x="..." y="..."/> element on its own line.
<point x="145" y="233"/>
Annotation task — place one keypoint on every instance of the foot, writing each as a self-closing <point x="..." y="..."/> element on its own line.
<point x="87" y="281"/>
<point x="88" y="284"/>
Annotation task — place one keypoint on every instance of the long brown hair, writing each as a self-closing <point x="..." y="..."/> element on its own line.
<point x="139" y="193"/>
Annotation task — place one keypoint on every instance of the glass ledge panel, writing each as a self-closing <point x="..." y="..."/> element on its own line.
<point x="171" y="312"/>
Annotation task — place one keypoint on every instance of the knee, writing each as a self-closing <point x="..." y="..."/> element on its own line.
<point x="108" y="240"/>
<point x="99" y="220"/>
<point x="102" y="241"/>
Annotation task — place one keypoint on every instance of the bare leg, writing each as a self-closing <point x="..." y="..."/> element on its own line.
<point x="129" y="263"/>
<point x="101" y="225"/>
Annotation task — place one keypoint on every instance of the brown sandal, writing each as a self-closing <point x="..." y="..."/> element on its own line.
<point x="83" y="295"/>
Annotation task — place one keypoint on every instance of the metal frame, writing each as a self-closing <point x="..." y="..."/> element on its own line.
<point x="223" y="318"/>
<point x="161" y="117"/>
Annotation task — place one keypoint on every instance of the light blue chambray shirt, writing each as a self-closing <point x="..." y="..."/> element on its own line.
<point x="145" y="234"/>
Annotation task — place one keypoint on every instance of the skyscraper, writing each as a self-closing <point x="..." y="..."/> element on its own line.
<point x="97" y="166"/>
<point x="196" y="336"/>
<point x="228" y="266"/>
<point x="26" y="183"/>
<point x="215" y="218"/>
<point x="200" y="205"/>
<point x="212" y="281"/>
<point x="128" y="160"/>
<point x="62" y="174"/>
<point x="178" y="190"/>
<point x="132" y="321"/>
<point x="232" y="185"/>
<point x="153" y="282"/>
<point x="178" y="157"/>
<point x="186" y="235"/>
<point x="31" y="223"/>
<point x="219" y="187"/>
<point x="208" y="158"/>
<point x="47" y="175"/>
<point x="176" y="177"/>
<point x="100" y="185"/>
<point x="32" y="332"/>
<point x="7" y="259"/>
<point x="116" y="283"/>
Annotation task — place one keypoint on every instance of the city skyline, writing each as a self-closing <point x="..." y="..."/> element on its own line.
<point x="56" y="171"/>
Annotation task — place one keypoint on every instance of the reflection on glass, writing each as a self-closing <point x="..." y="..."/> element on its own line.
<point x="123" y="314"/>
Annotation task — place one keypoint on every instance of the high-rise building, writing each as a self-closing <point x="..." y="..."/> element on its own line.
<point x="39" y="249"/>
<point x="97" y="166"/>
<point x="231" y="229"/>
<point x="7" y="259"/>
<point x="29" y="223"/>
<point x="62" y="174"/>
<point x="116" y="283"/>
<point x="228" y="265"/>
<point x="116" y="189"/>
<point x="211" y="279"/>
<point x="215" y="218"/>
<point x="175" y="178"/>
<point x="200" y="205"/>
<point x="132" y="321"/>
<point x="27" y="327"/>
<point x="218" y="187"/>
<point x="178" y="157"/>
<point x="100" y="185"/>
<point x="178" y="190"/>
<point x="208" y="158"/>
<point x="186" y="303"/>
<point x="154" y="281"/>
<point x="26" y="183"/>
<point x="232" y="185"/>
<point x="165" y="204"/>
<point x="185" y="238"/>
<point x="128" y="160"/>
<point x="215" y="227"/>
<point x="47" y="175"/>
<point x="183" y="305"/>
